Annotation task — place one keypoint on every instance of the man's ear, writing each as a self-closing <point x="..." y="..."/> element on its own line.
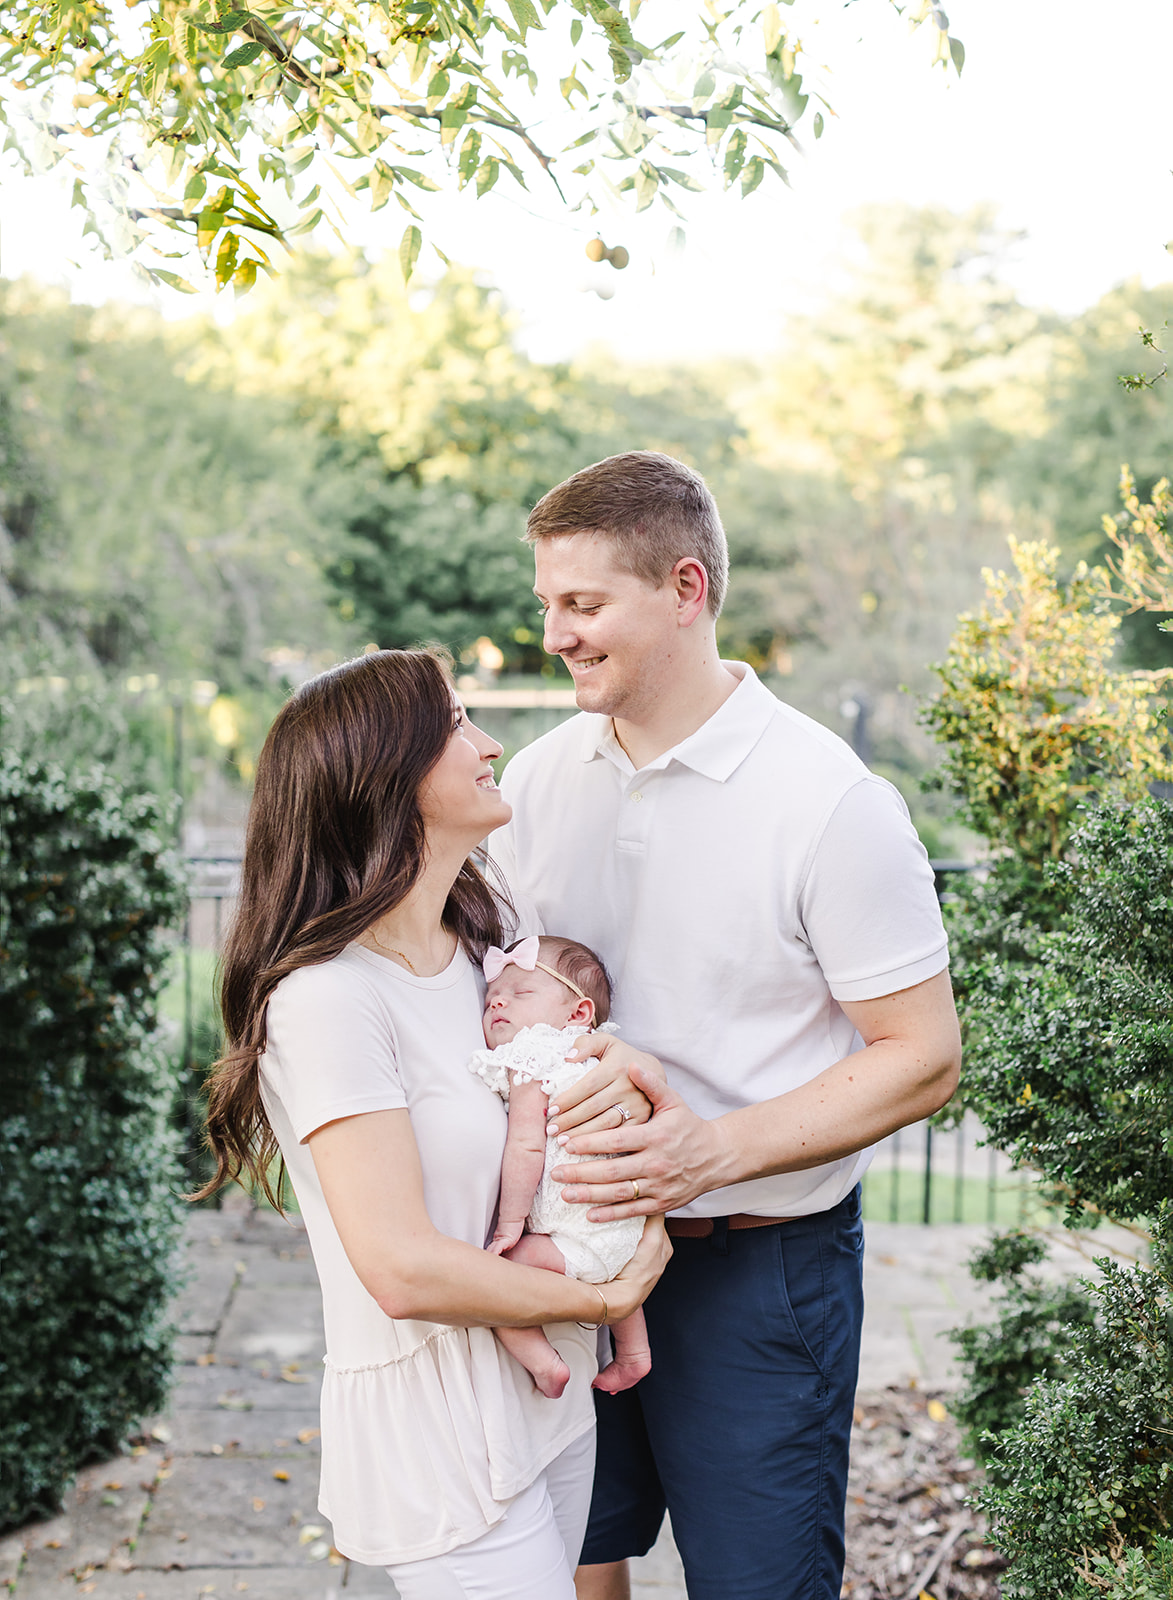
<point x="583" y="1015"/>
<point x="691" y="582"/>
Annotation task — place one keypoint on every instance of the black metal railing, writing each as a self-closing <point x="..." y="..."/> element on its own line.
<point x="926" y="1172"/>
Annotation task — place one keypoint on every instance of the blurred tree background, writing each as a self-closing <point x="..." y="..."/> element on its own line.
<point x="205" y="514"/>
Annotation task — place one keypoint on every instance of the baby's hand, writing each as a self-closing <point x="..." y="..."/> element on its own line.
<point x="505" y="1237"/>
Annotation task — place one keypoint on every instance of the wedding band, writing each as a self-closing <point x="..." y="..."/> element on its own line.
<point x="623" y="1112"/>
<point x="634" y="1189"/>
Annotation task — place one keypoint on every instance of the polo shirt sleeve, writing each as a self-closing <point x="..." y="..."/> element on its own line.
<point x="331" y="1050"/>
<point x="868" y="904"/>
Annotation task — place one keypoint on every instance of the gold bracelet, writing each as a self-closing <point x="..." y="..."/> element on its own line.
<point x="593" y="1327"/>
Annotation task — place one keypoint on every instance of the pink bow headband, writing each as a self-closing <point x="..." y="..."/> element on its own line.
<point x="525" y="956"/>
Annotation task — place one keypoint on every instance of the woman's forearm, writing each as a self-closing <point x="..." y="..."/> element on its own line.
<point x="433" y="1278"/>
<point x="371" y="1181"/>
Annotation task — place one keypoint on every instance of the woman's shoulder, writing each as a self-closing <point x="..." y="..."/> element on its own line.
<point x="343" y="982"/>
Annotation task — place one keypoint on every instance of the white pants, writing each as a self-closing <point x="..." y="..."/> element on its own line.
<point x="530" y="1554"/>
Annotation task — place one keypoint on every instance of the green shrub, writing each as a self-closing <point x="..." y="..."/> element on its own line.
<point x="1081" y="1490"/>
<point x="89" y="1213"/>
<point x="1029" y="1338"/>
<point x="1070" y="1029"/>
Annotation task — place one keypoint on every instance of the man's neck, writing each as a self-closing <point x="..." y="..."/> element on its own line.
<point x="673" y="717"/>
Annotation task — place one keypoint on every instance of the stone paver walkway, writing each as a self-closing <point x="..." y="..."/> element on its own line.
<point x="220" y="1498"/>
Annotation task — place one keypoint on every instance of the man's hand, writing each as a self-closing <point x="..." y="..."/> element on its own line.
<point x="657" y="1166"/>
<point x="590" y="1106"/>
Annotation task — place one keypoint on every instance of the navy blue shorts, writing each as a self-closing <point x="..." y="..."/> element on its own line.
<point x="741" y="1429"/>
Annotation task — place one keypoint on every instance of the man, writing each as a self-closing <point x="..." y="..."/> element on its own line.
<point x="768" y="916"/>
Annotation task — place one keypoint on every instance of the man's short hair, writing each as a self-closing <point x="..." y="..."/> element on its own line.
<point x="583" y="967"/>
<point x="653" y="508"/>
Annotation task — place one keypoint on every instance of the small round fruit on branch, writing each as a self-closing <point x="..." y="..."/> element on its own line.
<point x="597" y="251"/>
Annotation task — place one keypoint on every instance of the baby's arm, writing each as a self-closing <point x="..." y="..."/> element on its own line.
<point x="521" y="1166"/>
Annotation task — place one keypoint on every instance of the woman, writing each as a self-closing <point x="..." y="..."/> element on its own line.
<point x="351" y="1007"/>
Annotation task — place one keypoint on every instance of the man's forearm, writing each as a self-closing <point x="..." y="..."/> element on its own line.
<point x="850" y="1106"/>
<point x="907" y="1070"/>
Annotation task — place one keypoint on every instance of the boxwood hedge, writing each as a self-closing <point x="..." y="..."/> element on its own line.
<point x="89" y="1208"/>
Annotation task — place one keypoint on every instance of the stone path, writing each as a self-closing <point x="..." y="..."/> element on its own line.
<point x="219" y="1499"/>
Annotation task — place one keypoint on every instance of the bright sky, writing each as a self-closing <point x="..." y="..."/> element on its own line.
<point x="1061" y="119"/>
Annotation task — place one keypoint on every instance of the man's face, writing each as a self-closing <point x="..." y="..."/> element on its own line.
<point x="615" y="632"/>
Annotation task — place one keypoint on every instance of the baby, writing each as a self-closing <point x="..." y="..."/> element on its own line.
<point x="543" y="994"/>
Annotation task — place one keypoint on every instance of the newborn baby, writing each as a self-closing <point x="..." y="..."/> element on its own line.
<point x="543" y="995"/>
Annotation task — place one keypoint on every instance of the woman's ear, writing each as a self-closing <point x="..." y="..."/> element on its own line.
<point x="583" y="1015"/>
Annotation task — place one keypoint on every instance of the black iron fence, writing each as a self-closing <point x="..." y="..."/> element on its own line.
<point x="926" y="1173"/>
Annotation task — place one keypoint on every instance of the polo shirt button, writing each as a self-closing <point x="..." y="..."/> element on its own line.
<point x="636" y="795"/>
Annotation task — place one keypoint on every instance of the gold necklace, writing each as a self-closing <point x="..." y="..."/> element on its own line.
<point x="391" y="951"/>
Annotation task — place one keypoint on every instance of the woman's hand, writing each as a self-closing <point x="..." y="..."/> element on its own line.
<point x="592" y="1105"/>
<point x="628" y="1291"/>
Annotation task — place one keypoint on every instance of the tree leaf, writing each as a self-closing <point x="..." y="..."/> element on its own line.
<point x="525" y="15"/>
<point x="752" y="175"/>
<point x="230" y="22"/>
<point x="647" y="182"/>
<point x="772" y="32"/>
<point x="957" y="51"/>
<point x="171" y="279"/>
<point x="409" y="249"/>
<point x="242" y="57"/>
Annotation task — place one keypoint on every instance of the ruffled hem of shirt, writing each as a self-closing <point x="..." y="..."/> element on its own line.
<point x="444" y="1427"/>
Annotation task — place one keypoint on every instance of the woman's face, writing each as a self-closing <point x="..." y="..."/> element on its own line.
<point x="460" y="796"/>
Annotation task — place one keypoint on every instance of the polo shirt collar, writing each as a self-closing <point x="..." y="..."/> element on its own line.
<point x="716" y="749"/>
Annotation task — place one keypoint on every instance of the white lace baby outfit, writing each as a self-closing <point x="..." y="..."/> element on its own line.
<point x="593" y="1251"/>
<point x="428" y="1431"/>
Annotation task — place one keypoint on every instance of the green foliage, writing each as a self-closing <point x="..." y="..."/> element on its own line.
<point x="87" y="1164"/>
<point x="230" y="114"/>
<point x="1071" y="1044"/>
<point x="1067" y="469"/>
<point x="1080" y="1496"/>
<point x="440" y="437"/>
<point x="1033" y="713"/>
<point x="1129" y="1573"/>
<point x="179" y="513"/>
<point x="1028" y="1338"/>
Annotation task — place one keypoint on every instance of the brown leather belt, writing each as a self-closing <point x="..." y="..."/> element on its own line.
<point x="702" y="1227"/>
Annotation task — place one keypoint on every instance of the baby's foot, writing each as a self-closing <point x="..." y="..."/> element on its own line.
<point x="624" y="1372"/>
<point x="551" y="1376"/>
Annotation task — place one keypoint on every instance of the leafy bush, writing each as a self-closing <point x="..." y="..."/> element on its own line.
<point x="1029" y="1338"/>
<point x="88" y="1209"/>
<point x="1081" y="1490"/>
<point x="1072" y="1065"/>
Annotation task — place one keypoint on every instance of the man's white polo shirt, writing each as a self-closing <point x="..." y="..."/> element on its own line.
<point x="737" y="888"/>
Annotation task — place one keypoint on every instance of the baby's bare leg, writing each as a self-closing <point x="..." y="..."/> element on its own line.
<point x="633" y="1358"/>
<point x="530" y="1345"/>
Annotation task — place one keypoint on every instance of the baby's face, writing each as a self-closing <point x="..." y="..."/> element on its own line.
<point x="517" y="999"/>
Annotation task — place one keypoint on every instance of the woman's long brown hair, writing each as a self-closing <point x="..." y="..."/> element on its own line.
<point x="334" y="841"/>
